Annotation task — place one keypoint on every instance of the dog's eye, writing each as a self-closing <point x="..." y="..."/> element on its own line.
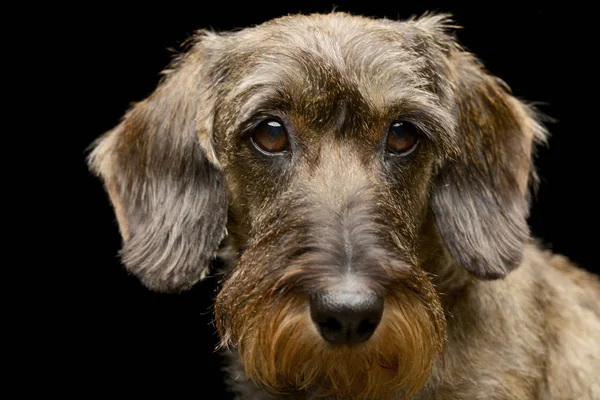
<point x="270" y="137"/>
<point x="402" y="138"/>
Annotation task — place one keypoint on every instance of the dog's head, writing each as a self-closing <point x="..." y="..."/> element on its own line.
<point x="329" y="143"/>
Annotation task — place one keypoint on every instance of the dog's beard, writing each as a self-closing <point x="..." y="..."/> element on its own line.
<point x="282" y="351"/>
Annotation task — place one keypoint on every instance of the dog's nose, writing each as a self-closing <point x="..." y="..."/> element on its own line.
<point x="346" y="317"/>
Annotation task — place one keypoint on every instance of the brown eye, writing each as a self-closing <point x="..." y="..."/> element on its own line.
<point x="270" y="137"/>
<point x="402" y="138"/>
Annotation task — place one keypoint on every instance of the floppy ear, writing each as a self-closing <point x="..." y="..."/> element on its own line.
<point x="480" y="199"/>
<point x="164" y="180"/>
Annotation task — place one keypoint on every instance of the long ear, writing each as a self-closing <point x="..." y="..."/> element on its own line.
<point x="164" y="180"/>
<point x="480" y="199"/>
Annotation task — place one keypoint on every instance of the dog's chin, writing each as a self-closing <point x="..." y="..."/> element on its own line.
<point x="282" y="351"/>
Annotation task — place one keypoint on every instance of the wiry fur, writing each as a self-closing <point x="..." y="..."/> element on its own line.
<point x="436" y="234"/>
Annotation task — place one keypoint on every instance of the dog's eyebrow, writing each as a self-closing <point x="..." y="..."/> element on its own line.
<point x="259" y="90"/>
<point x="422" y="109"/>
<point x="259" y="99"/>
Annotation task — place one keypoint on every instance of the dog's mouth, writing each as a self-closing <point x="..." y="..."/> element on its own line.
<point x="345" y="344"/>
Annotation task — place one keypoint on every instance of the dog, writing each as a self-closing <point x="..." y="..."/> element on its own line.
<point x="367" y="182"/>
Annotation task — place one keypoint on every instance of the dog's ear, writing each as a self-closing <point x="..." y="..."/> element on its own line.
<point x="481" y="197"/>
<point x="164" y="179"/>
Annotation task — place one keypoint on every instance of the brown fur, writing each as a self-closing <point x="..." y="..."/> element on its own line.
<point x="473" y="309"/>
<point x="281" y="349"/>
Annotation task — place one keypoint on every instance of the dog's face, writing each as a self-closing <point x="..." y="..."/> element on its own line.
<point x="331" y="144"/>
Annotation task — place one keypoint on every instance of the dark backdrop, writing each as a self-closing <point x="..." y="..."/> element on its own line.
<point x="121" y="336"/>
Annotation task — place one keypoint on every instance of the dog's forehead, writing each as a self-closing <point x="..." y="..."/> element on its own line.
<point x="335" y="32"/>
<point x="324" y="59"/>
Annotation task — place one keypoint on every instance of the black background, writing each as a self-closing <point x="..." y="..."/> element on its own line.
<point x="119" y="336"/>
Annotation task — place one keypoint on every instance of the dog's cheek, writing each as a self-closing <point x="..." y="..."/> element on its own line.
<point x="405" y="196"/>
<point x="254" y="183"/>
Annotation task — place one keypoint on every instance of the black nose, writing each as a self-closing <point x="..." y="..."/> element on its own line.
<point x="346" y="317"/>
